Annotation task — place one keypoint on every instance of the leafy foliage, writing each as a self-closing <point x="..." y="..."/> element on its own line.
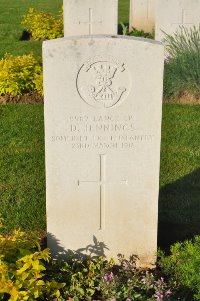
<point x="140" y="33"/>
<point x="43" y="26"/>
<point x="183" y="267"/>
<point x="29" y="273"/>
<point x="99" y="279"/>
<point x="135" y="32"/>
<point x="22" y="269"/>
<point x="82" y="276"/>
<point x="19" y="74"/>
<point x="126" y="282"/>
<point x="182" y="68"/>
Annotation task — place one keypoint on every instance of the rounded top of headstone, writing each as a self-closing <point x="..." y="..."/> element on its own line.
<point x="92" y="38"/>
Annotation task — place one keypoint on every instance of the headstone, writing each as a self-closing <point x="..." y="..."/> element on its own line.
<point x="171" y="14"/>
<point x="142" y="15"/>
<point x="103" y="99"/>
<point x="87" y="17"/>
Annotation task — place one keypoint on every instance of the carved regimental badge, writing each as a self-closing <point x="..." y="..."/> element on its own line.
<point x="103" y="83"/>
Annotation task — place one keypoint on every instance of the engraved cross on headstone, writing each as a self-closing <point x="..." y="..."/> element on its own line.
<point x="90" y="22"/>
<point x="183" y="19"/>
<point x="102" y="184"/>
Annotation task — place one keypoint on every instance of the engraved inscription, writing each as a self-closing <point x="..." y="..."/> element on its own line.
<point x="103" y="82"/>
<point x="102" y="132"/>
<point x="102" y="184"/>
<point x="103" y="142"/>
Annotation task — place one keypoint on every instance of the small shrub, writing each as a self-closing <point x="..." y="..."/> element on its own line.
<point x="20" y="74"/>
<point x="183" y="267"/>
<point x="135" y="32"/>
<point x="22" y="269"/>
<point x="124" y="29"/>
<point x="182" y="68"/>
<point x="28" y="273"/>
<point x="38" y="81"/>
<point x="82" y="276"/>
<point x="140" y="33"/>
<point x="98" y="279"/>
<point x="43" y="26"/>
<point x="126" y="283"/>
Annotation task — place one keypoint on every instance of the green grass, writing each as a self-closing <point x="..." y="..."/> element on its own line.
<point x="179" y="201"/>
<point x="180" y="164"/>
<point x="11" y="29"/>
<point x="124" y="11"/>
<point x="22" y="185"/>
<point x="182" y="71"/>
<point x="10" y="24"/>
<point x="22" y="200"/>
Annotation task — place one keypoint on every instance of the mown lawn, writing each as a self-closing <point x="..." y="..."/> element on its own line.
<point x="11" y="14"/>
<point x="22" y="200"/>
<point x="179" y="201"/>
<point x="123" y="11"/>
<point x="22" y="185"/>
<point x="10" y="24"/>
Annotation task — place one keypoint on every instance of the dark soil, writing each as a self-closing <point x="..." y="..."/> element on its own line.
<point x="28" y="98"/>
<point x="34" y="97"/>
<point x="185" y="98"/>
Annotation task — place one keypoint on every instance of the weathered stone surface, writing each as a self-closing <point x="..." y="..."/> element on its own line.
<point x="90" y="17"/>
<point x="142" y="15"/>
<point x="103" y="99"/>
<point x="171" y="14"/>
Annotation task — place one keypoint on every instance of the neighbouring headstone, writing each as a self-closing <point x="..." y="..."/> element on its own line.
<point x="87" y="17"/>
<point x="171" y="14"/>
<point x="103" y="99"/>
<point x="142" y="15"/>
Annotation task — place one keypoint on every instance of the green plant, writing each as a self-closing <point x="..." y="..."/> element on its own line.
<point x="135" y="32"/>
<point x="126" y="283"/>
<point x="22" y="269"/>
<point x="99" y="279"/>
<point x="124" y="29"/>
<point x="20" y="74"/>
<point x="43" y="26"/>
<point x="140" y="33"/>
<point x="38" y="82"/>
<point x="81" y="275"/>
<point x="183" y="267"/>
<point x="182" y="68"/>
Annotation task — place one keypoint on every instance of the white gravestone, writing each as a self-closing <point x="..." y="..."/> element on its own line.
<point x="171" y="14"/>
<point x="103" y="99"/>
<point x="87" y="17"/>
<point x="142" y="15"/>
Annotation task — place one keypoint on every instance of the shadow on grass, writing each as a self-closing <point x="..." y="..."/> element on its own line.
<point x="26" y="36"/>
<point x="93" y="250"/>
<point x="179" y="210"/>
